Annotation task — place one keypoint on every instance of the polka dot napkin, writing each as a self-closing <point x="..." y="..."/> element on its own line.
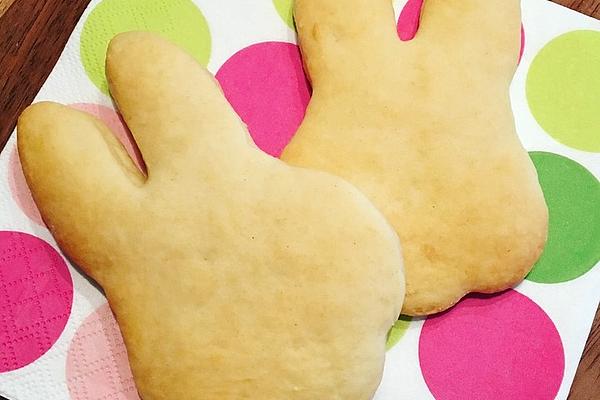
<point x="59" y="340"/>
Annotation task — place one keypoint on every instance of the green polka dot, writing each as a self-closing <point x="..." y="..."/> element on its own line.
<point x="563" y="89"/>
<point x="397" y="331"/>
<point x="177" y="20"/>
<point x="573" y="197"/>
<point x="285" y="8"/>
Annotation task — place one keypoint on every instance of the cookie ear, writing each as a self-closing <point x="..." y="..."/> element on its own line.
<point x="173" y="106"/>
<point x="335" y="35"/>
<point x="79" y="174"/>
<point x="485" y="31"/>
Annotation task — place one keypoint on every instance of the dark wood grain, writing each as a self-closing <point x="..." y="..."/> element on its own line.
<point x="32" y="36"/>
<point x="589" y="7"/>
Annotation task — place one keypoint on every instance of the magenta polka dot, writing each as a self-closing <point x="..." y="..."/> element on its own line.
<point x="410" y="18"/>
<point x="408" y="22"/>
<point x="19" y="189"/>
<point x="522" y="43"/>
<point x="36" y="294"/>
<point x="494" y="348"/>
<point x="266" y="85"/>
<point x="97" y="365"/>
<point x="114" y="122"/>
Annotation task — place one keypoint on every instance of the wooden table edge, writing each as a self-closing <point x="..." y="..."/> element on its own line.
<point x="35" y="32"/>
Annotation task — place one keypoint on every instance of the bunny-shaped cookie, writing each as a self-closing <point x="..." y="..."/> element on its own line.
<point x="232" y="275"/>
<point x="425" y="129"/>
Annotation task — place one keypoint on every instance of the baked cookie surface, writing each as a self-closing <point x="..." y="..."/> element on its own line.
<point x="231" y="274"/>
<point x="425" y="129"/>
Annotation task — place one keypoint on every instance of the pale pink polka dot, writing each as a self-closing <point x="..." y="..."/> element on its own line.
<point x="494" y="348"/>
<point x="36" y="294"/>
<point x="114" y="122"/>
<point x="16" y="181"/>
<point x="409" y="19"/>
<point x="97" y="365"/>
<point x="266" y="85"/>
<point x="19" y="189"/>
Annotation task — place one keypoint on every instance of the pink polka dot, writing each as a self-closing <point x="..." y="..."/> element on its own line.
<point x="36" y="294"/>
<point x="522" y="43"/>
<point x="114" y="122"/>
<point x="410" y="17"/>
<point x="97" y="365"/>
<point x="492" y="347"/>
<point x="408" y="22"/>
<point x="266" y="85"/>
<point x="20" y="190"/>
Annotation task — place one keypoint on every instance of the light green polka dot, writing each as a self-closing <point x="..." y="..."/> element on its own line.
<point x="397" y="331"/>
<point x="573" y="197"/>
<point x="285" y="8"/>
<point x="563" y="89"/>
<point x="177" y="20"/>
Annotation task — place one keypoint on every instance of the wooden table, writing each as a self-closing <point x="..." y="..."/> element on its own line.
<point x="32" y="35"/>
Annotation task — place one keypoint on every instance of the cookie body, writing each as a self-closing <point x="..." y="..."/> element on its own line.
<point x="231" y="275"/>
<point x="425" y="129"/>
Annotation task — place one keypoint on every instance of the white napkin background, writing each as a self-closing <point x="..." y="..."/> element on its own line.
<point x="234" y="25"/>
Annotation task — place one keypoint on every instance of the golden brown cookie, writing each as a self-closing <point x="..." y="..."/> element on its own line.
<point x="425" y="129"/>
<point x="232" y="275"/>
